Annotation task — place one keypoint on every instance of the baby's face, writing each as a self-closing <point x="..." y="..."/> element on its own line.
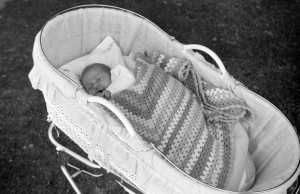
<point x="95" y="80"/>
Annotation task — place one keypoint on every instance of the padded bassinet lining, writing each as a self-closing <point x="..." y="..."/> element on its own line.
<point x="274" y="145"/>
<point x="76" y="33"/>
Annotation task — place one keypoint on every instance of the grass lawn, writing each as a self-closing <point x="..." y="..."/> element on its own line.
<point x="257" y="40"/>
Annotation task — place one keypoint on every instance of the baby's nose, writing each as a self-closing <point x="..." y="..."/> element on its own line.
<point x="99" y="87"/>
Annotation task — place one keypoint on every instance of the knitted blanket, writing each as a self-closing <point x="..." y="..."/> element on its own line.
<point x="186" y="118"/>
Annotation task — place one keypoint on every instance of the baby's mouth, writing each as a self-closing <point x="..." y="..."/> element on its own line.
<point x="99" y="91"/>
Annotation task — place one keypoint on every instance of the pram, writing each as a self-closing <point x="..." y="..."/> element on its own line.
<point x="274" y="144"/>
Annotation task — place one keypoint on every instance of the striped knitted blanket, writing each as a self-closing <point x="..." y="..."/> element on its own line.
<point x="186" y="118"/>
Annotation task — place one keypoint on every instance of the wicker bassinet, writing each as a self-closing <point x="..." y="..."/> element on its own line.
<point x="274" y="145"/>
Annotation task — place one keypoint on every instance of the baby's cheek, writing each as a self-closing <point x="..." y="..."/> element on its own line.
<point x="92" y="91"/>
<point x="89" y="91"/>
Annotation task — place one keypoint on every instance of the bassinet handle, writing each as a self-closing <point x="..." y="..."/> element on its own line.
<point x="211" y="53"/>
<point x="115" y="110"/>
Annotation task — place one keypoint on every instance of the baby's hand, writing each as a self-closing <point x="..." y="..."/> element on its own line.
<point x="105" y="94"/>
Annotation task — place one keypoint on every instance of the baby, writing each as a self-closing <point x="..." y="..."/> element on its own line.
<point x="99" y="80"/>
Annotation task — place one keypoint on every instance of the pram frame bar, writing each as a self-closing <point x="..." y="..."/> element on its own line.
<point x="116" y="111"/>
<point x="64" y="150"/>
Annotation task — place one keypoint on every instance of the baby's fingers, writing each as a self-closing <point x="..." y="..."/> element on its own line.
<point x="107" y="95"/>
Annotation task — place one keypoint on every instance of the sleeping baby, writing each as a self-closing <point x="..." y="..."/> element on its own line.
<point x="168" y="106"/>
<point x="99" y="80"/>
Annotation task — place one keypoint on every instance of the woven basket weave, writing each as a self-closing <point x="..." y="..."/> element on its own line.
<point x="274" y="145"/>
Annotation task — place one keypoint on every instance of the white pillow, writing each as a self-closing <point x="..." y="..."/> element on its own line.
<point x="107" y="52"/>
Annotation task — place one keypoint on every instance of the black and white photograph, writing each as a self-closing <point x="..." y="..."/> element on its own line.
<point x="149" y="97"/>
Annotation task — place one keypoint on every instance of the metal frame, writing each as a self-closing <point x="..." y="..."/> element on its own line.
<point x="64" y="153"/>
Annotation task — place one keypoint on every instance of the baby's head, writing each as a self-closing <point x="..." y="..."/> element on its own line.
<point x="95" y="78"/>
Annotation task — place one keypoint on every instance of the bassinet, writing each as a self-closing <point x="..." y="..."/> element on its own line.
<point x="274" y="145"/>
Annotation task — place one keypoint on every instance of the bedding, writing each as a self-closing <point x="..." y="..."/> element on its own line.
<point x="186" y="118"/>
